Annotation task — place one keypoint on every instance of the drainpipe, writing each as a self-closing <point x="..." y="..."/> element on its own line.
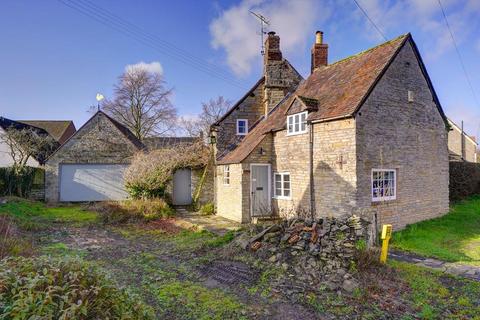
<point x="311" y="172"/>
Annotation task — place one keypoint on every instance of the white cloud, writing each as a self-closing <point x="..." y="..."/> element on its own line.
<point x="152" y="67"/>
<point x="236" y="31"/>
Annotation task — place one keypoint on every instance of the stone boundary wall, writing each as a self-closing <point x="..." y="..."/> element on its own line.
<point x="464" y="179"/>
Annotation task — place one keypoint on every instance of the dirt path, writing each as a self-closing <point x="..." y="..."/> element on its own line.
<point x="143" y="262"/>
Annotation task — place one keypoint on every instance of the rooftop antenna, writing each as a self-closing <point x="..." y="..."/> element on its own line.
<point x="263" y="23"/>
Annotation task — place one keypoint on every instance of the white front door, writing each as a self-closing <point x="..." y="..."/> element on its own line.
<point x="182" y="187"/>
<point x="260" y="190"/>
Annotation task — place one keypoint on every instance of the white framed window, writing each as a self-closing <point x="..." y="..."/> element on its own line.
<point x="297" y="123"/>
<point x="242" y="127"/>
<point x="282" y="185"/>
<point x="384" y="184"/>
<point x="226" y="175"/>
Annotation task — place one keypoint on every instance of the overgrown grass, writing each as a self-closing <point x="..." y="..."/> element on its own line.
<point x="188" y="300"/>
<point x="453" y="237"/>
<point x="439" y="296"/>
<point x="30" y="215"/>
<point x="131" y="211"/>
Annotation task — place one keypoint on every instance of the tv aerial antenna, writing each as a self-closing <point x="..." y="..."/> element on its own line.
<point x="263" y="27"/>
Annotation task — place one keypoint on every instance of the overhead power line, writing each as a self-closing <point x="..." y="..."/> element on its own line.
<point x="138" y="34"/>
<point x="371" y="21"/>
<point x="458" y="54"/>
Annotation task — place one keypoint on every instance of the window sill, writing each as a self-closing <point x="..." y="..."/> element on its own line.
<point x="296" y="133"/>
<point x="242" y="134"/>
<point x="282" y="198"/>
<point x="383" y="201"/>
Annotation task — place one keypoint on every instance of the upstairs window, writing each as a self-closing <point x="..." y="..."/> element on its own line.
<point x="226" y="175"/>
<point x="297" y="123"/>
<point x="242" y="127"/>
<point x="384" y="184"/>
<point x="282" y="185"/>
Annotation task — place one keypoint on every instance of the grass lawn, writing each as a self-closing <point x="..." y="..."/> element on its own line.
<point x="454" y="237"/>
<point x="31" y="215"/>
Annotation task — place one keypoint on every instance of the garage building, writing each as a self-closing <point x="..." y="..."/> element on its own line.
<point x="90" y="165"/>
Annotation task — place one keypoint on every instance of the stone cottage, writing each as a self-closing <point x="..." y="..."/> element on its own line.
<point x="90" y="165"/>
<point x="364" y="133"/>
<point x="461" y="146"/>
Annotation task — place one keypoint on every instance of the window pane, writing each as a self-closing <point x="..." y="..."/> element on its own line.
<point x="286" y="177"/>
<point x="297" y="123"/>
<point x="278" y="192"/>
<point x="303" y="126"/>
<point x="286" y="193"/>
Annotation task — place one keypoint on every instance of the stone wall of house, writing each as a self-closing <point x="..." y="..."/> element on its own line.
<point x="334" y="168"/>
<point x="229" y="197"/>
<point x="251" y="109"/>
<point x="207" y="188"/>
<point x="409" y="137"/>
<point x="455" y="145"/>
<point x="291" y="154"/>
<point x="99" y="141"/>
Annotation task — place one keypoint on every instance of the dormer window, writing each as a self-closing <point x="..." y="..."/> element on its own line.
<point x="242" y="127"/>
<point x="297" y="123"/>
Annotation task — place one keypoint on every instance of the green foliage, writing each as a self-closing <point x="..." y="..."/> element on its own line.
<point x="150" y="172"/>
<point x="31" y="215"/>
<point x="46" y="288"/>
<point x="432" y="295"/>
<point x="131" y="211"/>
<point x="19" y="181"/>
<point x="207" y="209"/>
<point x="453" y="237"/>
<point x="187" y="300"/>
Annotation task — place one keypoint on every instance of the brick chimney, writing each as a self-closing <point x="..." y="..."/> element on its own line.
<point x="319" y="52"/>
<point x="272" y="48"/>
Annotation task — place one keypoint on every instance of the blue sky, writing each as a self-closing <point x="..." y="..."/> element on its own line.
<point x="53" y="59"/>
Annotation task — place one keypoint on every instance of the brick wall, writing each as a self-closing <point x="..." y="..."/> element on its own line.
<point x="408" y="137"/>
<point x="99" y="141"/>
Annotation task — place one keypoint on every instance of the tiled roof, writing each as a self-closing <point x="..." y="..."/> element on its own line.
<point x="339" y="90"/>
<point x="60" y="130"/>
<point x="153" y="143"/>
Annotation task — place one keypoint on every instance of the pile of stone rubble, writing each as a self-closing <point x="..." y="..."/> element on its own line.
<point x="322" y="248"/>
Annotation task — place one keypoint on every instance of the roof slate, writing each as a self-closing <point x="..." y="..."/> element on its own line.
<point x="56" y="128"/>
<point x="339" y="90"/>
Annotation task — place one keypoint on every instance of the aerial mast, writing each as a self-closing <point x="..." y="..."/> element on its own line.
<point x="263" y="23"/>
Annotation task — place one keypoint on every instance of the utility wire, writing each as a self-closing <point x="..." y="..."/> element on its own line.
<point x="458" y="54"/>
<point x="370" y="19"/>
<point x="136" y="33"/>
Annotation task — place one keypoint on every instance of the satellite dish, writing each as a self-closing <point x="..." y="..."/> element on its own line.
<point x="100" y="97"/>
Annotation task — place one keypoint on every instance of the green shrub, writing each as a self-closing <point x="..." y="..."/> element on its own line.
<point x="207" y="209"/>
<point x="19" y="181"/>
<point x="46" y="288"/>
<point x="131" y="211"/>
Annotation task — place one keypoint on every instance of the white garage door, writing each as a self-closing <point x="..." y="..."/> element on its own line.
<point x="92" y="182"/>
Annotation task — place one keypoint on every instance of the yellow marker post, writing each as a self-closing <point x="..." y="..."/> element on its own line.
<point x="386" y="235"/>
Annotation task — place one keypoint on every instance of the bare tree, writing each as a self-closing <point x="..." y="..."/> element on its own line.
<point x="26" y="143"/>
<point x="212" y="111"/>
<point x="142" y="103"/>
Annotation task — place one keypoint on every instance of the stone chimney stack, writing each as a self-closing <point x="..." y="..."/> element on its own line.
<point x="280" y="77"/>
<point x="319" y="52"/>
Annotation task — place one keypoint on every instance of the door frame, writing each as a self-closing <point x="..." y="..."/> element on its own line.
<point x="269" y="183"/>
